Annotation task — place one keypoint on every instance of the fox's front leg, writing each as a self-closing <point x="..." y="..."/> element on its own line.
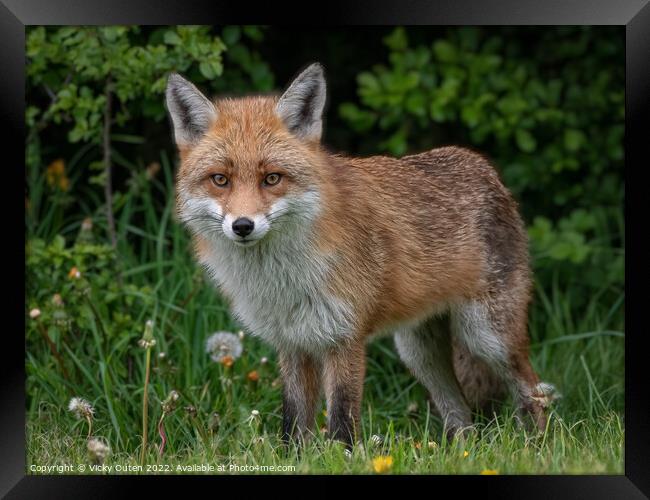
<point x="301" y="389"/>
<point x="344" y="370"/>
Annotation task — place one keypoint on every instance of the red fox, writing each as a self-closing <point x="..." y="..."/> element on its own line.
<point x="318" y="252"/>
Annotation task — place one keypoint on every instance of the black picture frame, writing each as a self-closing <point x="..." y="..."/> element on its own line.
<point x="633" y="14"/>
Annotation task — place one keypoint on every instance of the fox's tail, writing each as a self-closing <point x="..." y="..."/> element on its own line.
<point x="545" y="394"/>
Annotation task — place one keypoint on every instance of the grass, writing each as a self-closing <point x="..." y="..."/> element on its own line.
<point x="579" y="349"/>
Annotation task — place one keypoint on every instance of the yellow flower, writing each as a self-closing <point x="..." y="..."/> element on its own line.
<point x="55" y="175"/>
<point x="418" y="445"/>
<point x="227" y="361"/>
<point x="382" y="463"/>
<point x="74" y="273"/>
<point x="465" y="454"/>
<point x="489" y="472"/>
<point x="253" y="376"/>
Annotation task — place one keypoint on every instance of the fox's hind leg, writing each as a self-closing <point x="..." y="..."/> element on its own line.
<point x="426" y="351"/>
<point x="482" y="387"/>
<point x="494" y="330"/>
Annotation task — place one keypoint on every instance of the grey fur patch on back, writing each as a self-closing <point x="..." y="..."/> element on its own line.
<point x="191" y="112"/>
<point x="301" y="106"/>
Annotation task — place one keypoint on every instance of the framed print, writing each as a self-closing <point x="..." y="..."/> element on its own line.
<point x="392" y="246"/>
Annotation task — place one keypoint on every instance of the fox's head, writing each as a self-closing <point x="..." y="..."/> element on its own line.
<point x="247" y="164"/>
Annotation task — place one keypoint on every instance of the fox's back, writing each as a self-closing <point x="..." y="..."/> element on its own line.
<point x="426" y="230"/>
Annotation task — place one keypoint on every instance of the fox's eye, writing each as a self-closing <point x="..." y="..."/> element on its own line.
<point x="272" y="179"/>
<point x="219" y="180"/>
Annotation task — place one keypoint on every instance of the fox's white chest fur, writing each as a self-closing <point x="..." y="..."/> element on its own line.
<point x="279" y="291"/>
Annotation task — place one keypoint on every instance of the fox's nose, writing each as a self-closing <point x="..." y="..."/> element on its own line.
<point x="243" y="226"/>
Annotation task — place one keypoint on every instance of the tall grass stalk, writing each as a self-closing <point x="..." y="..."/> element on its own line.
<point x="147" y="342"/>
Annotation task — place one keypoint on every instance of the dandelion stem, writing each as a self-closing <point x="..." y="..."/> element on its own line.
<point x="161" y="433"/>
<point x="90" y="426"/>
<point x="145" y="406"/>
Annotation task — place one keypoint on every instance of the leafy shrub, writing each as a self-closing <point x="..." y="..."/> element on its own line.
<point x="69" y="284"/>
<point x="102" y="86"/>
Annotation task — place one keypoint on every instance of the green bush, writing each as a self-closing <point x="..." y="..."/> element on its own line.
<point x="101" y="88"/>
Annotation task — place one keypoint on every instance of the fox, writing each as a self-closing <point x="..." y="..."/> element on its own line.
<point x="318" y="252"/>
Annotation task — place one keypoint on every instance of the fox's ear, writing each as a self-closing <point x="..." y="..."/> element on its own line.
<point x="301" y="105"/>
<point x="191" y="112"/>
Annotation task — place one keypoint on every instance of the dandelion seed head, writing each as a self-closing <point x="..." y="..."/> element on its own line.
<point x="81" y="408"/>
<point x="169" y="404"/>
<point x="147" y="341"/>
<point x="376" y="439"/>
<point x="255" y="413"/>
<point x="146" y="344"/>
<point x="98" y="450"/>
<point x="222" y="344"/>
<point x="264" y="360"/>
<point x="34" y="313"/>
